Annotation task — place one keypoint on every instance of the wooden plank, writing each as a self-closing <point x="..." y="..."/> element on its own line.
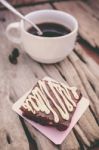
<point x="87" y="21"/>
<point x="70" y="73"/>
<point x="94" y="6"/>
<point x="24" y="2"/>
<point x="70" y="143"/>
<point x="94" y="99"/>
<point x="92" y="65"/>
<point x="12" y="136"/>
<point x="92" y="53"/>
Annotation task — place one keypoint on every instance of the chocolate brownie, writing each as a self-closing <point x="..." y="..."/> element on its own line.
<point x="51" y="104"/>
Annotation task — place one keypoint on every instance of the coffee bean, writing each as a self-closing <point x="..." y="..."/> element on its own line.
<point x="15" y="52"/>
<point x="12" y="59"/>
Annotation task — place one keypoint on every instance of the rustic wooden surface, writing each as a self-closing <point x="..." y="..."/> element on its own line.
<point x="24" y="2"/>
<point x="78" y="69"/>
<point x="95" y="6"/>
<point x="88" y="23"/>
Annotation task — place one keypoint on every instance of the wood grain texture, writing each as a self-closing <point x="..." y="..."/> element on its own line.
<point x="88" y="23"/>
<point x="94" y="6"/>
<point x="91" y="64"/>
<point x="12" y="135"/>
<point x="78" y="66"/>
<point x="24" y="2"/>
<point x="74" y="76"/>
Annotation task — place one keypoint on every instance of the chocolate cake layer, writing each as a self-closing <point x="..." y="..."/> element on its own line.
<point x="51" y="104"/>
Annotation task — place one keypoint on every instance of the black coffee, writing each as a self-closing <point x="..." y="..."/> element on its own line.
<point x="50" y="30"/>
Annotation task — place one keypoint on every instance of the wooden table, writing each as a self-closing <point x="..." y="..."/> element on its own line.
<point x="78" y="69"/>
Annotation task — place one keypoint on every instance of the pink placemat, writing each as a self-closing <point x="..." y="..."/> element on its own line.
<point x="51" y="132"/>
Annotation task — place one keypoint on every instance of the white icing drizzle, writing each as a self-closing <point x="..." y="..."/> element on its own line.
<point x="62" y="93"/>
<point x="64" y="114"/>
<point x="37" y="100"/>
<point x="67" y="94"/>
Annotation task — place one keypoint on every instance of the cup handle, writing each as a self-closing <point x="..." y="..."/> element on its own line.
<point x="11" y="37"/>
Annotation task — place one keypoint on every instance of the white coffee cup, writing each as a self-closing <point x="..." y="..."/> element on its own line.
<point x="46" y="49"/>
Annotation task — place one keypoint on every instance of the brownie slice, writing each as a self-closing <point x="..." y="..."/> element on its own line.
<point x="51" y="104"/>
